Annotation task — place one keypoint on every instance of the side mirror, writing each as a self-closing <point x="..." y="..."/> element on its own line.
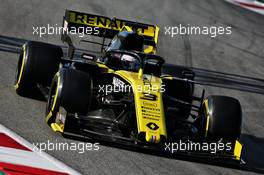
<point x="188" y="74"/>
<point x="88" y="56"/>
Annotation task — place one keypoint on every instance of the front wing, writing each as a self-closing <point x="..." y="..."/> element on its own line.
<point x="113" y="138"/>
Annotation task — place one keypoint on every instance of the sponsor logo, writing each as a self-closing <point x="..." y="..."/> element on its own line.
<point x="118" y="83"/>
<point x="152" y="126"/>
<point x="151" y="97"/>
<point x="145" y="103"/>
<point x="105" y="22"/>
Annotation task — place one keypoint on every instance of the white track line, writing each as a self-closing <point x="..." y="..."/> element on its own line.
<point x="252" y="5"/>
<point x="58" y="164"/>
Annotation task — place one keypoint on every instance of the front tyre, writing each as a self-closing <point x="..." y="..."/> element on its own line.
<point x="70" y="92"/>
<point x="37" y="63"/>
<point x="222" y="118"/>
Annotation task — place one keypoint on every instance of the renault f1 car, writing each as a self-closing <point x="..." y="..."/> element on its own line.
<point x="127" y="94"/>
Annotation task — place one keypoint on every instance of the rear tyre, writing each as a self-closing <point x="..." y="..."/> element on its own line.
<point x="223" y="118"/>
<point x="70" y="91"/>
<point x="37" y="63"/>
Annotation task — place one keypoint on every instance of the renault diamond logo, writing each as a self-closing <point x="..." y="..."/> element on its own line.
<point x="152" y="126"/>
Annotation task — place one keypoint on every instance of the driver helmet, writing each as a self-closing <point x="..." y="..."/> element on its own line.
<point x="129" y="62"/>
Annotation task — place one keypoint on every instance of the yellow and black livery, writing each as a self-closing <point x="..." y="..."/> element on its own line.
<point x="127" y="94"/>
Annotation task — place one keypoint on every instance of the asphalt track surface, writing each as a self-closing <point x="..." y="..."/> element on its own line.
<point x="232" y="65"/>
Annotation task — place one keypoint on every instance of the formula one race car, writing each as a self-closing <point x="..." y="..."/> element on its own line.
<point x="127" y="94"/>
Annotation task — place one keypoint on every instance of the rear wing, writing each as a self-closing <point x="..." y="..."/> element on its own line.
<point x="105" y="27"/>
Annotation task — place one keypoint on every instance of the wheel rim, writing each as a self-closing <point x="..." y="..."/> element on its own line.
<point x="20" y="67"/>
<point x="61" y="116"/>
<point x="51" y="104"/>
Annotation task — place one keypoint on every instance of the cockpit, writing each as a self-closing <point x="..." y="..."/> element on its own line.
<point x="125" y="52"/>
<point x="122" y="60"/>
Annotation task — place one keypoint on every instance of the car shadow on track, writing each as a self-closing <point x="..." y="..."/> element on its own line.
<point x="253" y="151"/>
